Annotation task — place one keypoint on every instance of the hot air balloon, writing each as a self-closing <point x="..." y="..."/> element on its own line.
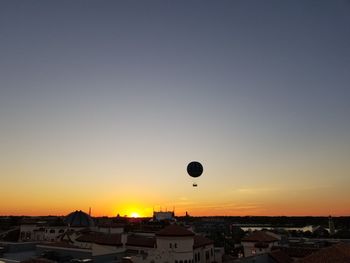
<point x="195" y="169"/>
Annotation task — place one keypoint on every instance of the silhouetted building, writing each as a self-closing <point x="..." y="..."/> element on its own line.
<point x="161" y="215"/>
<point x="259" y="242"/>
<point x="79" y="219"/>
<point x="173" y="244"/>
<point x="52" y="231"/>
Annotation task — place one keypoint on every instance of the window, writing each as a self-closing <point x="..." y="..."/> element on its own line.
<point x="175" y="245"/>
<point x="211" y="252"/>
<point x="52" y="231"/>
<point x="170" y="245"/>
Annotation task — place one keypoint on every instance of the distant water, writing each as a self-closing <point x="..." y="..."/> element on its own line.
<point x="253" y="228"/>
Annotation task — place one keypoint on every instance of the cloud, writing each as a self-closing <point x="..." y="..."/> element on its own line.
<point x="255" y="190"/>
<point x="230" y="206"/>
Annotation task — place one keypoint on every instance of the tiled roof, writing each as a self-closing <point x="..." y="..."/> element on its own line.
<point x="147" y="228"/>
<point x="79" y="219"/>
<point x="111" y="225"/>
<point x="141" y="241"/>
<point x="259" y="236"/>
<point x="280" y="257"/>
<point x="200" y="241"/>
<point x="297" y="252"/>
<point x="174" y="231"/>
<point x="339" y="253"/>
<point x="101" y="238"/>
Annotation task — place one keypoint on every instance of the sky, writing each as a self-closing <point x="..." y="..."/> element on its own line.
<point x="104" y="103"/>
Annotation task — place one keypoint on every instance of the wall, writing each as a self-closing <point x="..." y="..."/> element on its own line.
<point x="206" y="254"/>
<point x="249" y="248"/>
<point x="183" y="244"/>
<point x="218" y="253"/>
<point x="111" y="230"/>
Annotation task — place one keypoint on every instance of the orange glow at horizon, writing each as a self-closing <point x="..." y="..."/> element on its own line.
<point x="139" y="201"/>
<point x="299" y="208"/>
<point x="134" y="214"/>
<point x="191" y="212"/>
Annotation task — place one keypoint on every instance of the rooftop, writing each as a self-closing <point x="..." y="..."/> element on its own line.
<point x="141" y="241"/>
<point x="338" y="253"/>
<point x="280" y="256"/>
<point x="174" y="231"/>
<point x="79" y="219"/>
<point x="101" y="238"/>
<point x="200" y="241"/>
<point x="259" y="236"/>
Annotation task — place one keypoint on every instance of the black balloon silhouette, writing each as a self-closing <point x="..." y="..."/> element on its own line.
<point x="194" y="169"/>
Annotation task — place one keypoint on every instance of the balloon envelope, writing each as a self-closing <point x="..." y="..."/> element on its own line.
<point x="194" y="169"/>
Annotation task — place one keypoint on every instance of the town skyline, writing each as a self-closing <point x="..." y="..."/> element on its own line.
<point x="103" y="105"/>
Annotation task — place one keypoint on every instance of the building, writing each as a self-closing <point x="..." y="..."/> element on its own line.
<point x="79" y="237"/>
<point x="176" y="244"/>
<point x="161" y="215"/>
<point x="51" y="231"/>
<point x="259" y="242"/>
<point x="337" y="253"/>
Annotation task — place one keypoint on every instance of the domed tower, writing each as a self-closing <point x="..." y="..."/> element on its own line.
<point x="79" y="219"/>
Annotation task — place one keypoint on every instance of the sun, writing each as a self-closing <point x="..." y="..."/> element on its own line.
<point x="134" y="214"/>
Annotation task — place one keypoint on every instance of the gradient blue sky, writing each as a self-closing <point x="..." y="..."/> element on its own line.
<point x="103" y="104"/>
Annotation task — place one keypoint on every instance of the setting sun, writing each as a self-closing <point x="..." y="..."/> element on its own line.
<point x="134" y="214"/>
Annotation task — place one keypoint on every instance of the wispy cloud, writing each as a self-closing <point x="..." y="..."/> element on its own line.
<point x="255" y="190"/>
<point x="226" y="208"/>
